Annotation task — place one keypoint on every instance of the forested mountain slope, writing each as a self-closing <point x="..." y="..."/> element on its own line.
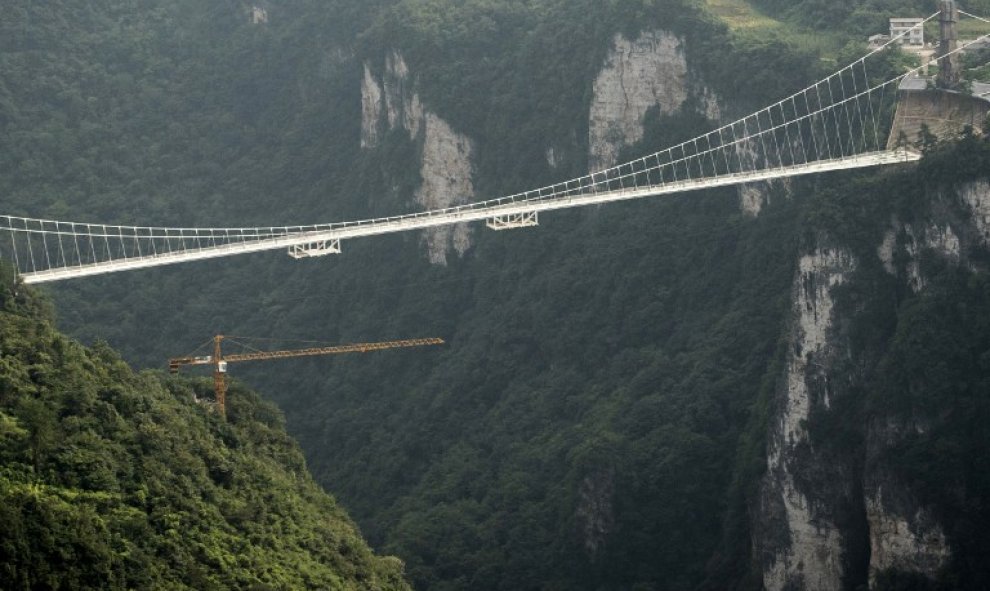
<point x="652" y="395"/>
<point x="117" y="480"/>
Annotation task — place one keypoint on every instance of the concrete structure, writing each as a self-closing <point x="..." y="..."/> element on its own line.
<point x="949" y="68"/>
<point x="945" y="113"/>
<point x="911" y="28"/>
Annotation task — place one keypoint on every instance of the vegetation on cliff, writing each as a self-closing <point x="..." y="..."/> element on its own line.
<point x="116" y="480"/>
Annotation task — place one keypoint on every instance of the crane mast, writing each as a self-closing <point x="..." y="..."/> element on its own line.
<point x="219" y="361"/>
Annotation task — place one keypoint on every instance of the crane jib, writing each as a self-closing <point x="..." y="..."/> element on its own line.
<point x="220" y="361"/>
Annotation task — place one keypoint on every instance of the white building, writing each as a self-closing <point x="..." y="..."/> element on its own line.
<point x="912" y="29"/>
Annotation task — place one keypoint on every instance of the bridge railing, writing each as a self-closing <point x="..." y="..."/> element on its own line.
<point x="839" y="118"/>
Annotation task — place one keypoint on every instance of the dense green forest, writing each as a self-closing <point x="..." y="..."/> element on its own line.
<point x="112" y="479"/>
<point x="598" y="418"/>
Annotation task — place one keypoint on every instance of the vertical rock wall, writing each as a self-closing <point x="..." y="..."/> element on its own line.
<point x="800" y="545"/>
<point x="977" y="197"/>
<point x="903" y="534"/>
<point x="390" y="102"/>
<point x="803" y="525"/>
<point x="939" y="238"/>
<point x="830" y="516"/>
<point x="446" y="173"/>
<point x="371" y="110"/>
<point x="649" y="71"/>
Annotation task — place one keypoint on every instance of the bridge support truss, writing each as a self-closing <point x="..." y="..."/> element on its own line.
<point x="320" y="248"/>
<point x="512" y="221"/>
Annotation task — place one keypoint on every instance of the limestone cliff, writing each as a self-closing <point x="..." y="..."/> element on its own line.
<point x="833" y="515"/>
<point x="639" y="74"/>
<point x="390" y="102"/>
<point x="649" y="72"/>
<point x="977" y="197"/>
<point x="799" y="543"/>
<point x="904" y="535"/>
<point x="939" y="238"/>
<point x="753" y="197"/>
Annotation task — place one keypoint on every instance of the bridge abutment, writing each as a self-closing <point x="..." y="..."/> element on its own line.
<point x="945" y="113"/>
<point x="942" y="104"/>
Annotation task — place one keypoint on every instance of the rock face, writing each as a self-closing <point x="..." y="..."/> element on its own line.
<point x="799" y="544"/>
<point x="446" y="176"/>
<point x="977" y="197"/>
<point x="903" y="535"/>
<point x="752" y="199"/>
<point x="650" y="71"/>
<point x="814" y="503"/>
<point x="595" y="514"/>
<point x="390" y="102"/>
<point x="939" y="238"/>
<point x="818" y="510"/>
<point x="371" y="110"/>
<point x="830" y="515"/>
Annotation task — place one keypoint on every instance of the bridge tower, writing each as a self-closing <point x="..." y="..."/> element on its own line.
<point x="948" y="65"/>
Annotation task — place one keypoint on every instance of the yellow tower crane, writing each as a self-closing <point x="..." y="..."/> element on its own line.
<point x="219" y="361"/>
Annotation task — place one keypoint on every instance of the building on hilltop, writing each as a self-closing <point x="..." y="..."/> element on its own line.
<point x="911" y="28"/>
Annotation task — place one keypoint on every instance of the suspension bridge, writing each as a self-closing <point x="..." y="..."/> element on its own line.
<point x="841" y="122"/>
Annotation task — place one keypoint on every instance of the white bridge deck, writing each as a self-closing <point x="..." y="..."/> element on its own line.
<point x="286" y="238"/>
